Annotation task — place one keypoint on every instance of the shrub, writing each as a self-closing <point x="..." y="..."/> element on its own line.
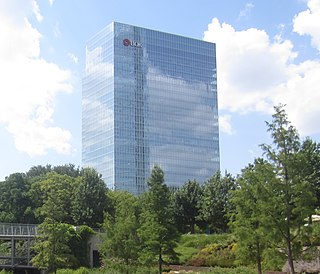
<point x="215" y="255"/>
<point x="4" y="271"/>
<point x="238" y="270"/>
<point x="207" y="250"/>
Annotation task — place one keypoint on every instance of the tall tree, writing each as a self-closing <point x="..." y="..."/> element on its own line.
<point x="249" y="218"/>
<point x="121" y="243"/>
<point x="186" y="209"/>
<point x="291" y="198"/>
<point x="215" y="202"/>
<point x="310" y="151"/>
<point x="52" y="250"/>
<point x="51" y="246"/>
<point x="63" y="188"/>
<point x="67" y="169"/>
<point x="157" y="231"/>
<point x="14" y="201"/>
<point x="37" y="171"/>
<point x="90" y="199"/>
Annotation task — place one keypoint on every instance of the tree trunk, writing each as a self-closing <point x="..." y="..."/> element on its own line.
<point x="290" y="258"/>
<point x="127" y="265"/>
<point x="289" y="246"/>
<point x="192" y="227"/>
<point x="259" y="259"/>
<point x="160" y="260"/>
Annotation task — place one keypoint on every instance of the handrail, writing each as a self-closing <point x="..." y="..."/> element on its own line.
<point x="11" y="229"/>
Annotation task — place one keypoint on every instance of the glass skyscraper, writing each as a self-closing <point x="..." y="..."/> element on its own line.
<point x="149" y="98"/>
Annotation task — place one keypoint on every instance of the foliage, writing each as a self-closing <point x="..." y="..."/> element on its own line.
<point x="51" y="247"/>
<point x="310" y="151"/>
<point x="4" y="271"/>
<point x="90" y="199"/>
<point x="190" y="246"/>
<point x="57" y="194"/>
<point x="201" y="240"/>
<point x="215" y="202"/>
<point x="121" y="243"/>
<point x="238" y="270"/>
<point x="249" y="218"/>
<point x="186" y="210"/>
<point x="14" y="201"/>
<point x="109" y="270"/>
<point x="157" y="231"/>
<point x="290" y="197"/>
<point x="40" y="171"/>
<point x="78" y="244"/>
<point x="215" y="255"/>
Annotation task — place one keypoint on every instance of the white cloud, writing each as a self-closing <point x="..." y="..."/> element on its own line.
<point x="29" y="84"/>
<point x="73" y="58"/>
<point x="225" y="124"/>
<point x="255" y="73"/>
<point x="246" y="10"/>
<point x="51" y="2"/>
<point x="308" y="22"/>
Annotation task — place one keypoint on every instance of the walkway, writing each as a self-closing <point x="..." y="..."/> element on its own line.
<point x="15" y="245"/>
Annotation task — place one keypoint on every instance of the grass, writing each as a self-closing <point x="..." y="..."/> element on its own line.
<point x="215" y="270"/>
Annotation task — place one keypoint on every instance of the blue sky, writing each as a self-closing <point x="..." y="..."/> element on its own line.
<point x="267" y="53"/>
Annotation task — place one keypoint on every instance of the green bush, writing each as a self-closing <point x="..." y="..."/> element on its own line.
<point x="215" y="255"/>
<point x="207" y="250"/>
<point x="4" y="271"/>
<point x="65" y="271"/>
<point x="201" y="240"/>
<point x="237" y="270"/>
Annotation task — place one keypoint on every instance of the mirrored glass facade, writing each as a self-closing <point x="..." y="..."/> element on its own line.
<point x="149" y="98"/>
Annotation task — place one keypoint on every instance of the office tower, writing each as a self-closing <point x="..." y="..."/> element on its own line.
<point x="149" y="98"/>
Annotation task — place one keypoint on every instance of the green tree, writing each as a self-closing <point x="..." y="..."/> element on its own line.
<point x="78" y="244"/>
<point x="57" y="189"/>
<point x="157" y="231"/>
<point x="37" y="171"/>
<point x="67" y="169"/>
<point x="14" y="201"/>
<point x="41" y="180"/>
<point x="215" y="202"/>
<point x="291" y="197"/>
<point x="121" y="242"/>
<point x="249" y="218"/>
<point x="90" y="199"/>
<point x="186" y="210"/>
<point x="51" y="246"/>
<point x="52" y="249"/>
<point x="310" y="151"/>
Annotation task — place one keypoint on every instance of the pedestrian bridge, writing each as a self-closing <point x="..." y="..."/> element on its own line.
<point x="15" y="245"/>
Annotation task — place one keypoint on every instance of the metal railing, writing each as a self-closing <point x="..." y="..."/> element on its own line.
<point x="18" y="230"/>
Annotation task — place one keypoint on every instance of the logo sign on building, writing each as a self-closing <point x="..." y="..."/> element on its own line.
<point x="127" y="42"/>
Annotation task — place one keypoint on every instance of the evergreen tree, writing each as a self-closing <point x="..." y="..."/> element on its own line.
<point x="310" y="169"/>
<point x="249" y="219"/>
<point x="157" y="231"/>
<point x="121" y="242"/>
<point x="291" y="197"/>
